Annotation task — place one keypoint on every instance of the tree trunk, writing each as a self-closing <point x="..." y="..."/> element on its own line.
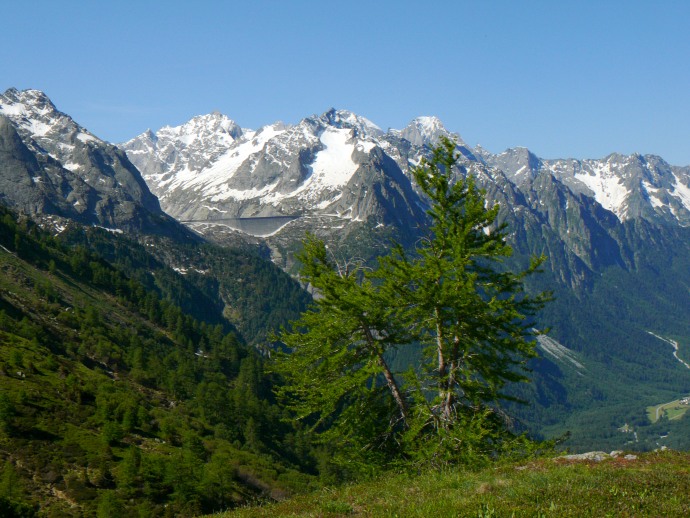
<point x="393" y="387"/>
<point x="449" y="401"/>
<point x="390" y="379"/>
<point x="443" y="388"/>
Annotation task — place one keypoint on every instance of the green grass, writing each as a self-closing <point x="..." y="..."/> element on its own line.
<point x="655" y="484"/>
<point x="676" y="412"/>
<point x="671" y="410"/>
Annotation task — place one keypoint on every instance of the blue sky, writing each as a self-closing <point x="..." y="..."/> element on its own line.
<point x="579" y="79"/>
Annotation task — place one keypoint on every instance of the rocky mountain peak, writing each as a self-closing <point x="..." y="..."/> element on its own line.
<point x="630" y="186"/>
<point x="325" y="164"/>
<point x="29" y="100"/>
<point x="346" y="119"/>
<point x="67" y="171"/>
<point x="517" y="163"/>
<point x="425" y="131"/>
<point x="203" y="126"/>
<point x="37" y="118"/>
<point x="150" y="135"/>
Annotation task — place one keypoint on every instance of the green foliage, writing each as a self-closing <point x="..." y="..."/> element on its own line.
<point x="12" y="494"/>
<point x="10" y="483"/>
<point x="16" y="509"/>
<point x="450" y="298"/>
<point x="7" y="412"/>
<point x="109" y="505"/>
<point x="115" y="396"/>
<point x="336" y="361"/>
<point x="655" y="484"/>
<point x="234" y="288"/>
<point x="472" y="316"/>
<point x="625" y="368"/>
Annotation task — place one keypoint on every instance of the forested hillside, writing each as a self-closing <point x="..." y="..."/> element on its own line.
<point x="233" y="286"/>
<point x="632" y="314"/>
<point x="115" y="400"/>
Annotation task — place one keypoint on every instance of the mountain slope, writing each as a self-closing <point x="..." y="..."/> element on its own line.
<point x="323" y="165"/>
<point x="56" y="171"/>
<point x="114" y="400"/>
<point x="49" y="165"/>
<point x="615" y="230"/>
<point x="631" y="187"/>
<point x="234" y="287"/>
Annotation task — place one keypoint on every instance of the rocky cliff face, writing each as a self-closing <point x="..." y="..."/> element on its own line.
<point x="49" y="165"/>
<point x="211" y="170"/>
<point x="631" y="187"/>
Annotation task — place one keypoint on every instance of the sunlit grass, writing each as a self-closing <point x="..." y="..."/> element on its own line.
<point x="671" y="410"/>
<point x="655" y="484"/>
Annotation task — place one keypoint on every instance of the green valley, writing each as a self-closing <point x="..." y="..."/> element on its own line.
<point x="354" y="320"/>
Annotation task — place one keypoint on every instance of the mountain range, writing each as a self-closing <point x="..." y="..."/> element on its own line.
<point x="340" y="171"/>
<point x="210" y="168"/>
<point x="616" y="230"/>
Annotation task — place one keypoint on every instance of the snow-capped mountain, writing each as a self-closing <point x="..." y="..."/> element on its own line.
<point x="424" y="131"/>
<point x="616" y="231"/>
<point x="338" y="171"/>
<point x="631" y="187"/>
<point x="210" y="169"/>
<point x="51" y="165"/>
<point x="192" y="145"/>
<point x="337" y="164"/>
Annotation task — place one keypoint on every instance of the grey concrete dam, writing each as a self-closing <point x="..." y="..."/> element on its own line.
<point x="262" y="226"/>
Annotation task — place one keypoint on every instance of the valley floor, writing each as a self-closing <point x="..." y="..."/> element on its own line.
<point x="652" y="484"/>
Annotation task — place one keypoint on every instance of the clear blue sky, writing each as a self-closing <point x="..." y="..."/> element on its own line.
<point x="578" y="79"/>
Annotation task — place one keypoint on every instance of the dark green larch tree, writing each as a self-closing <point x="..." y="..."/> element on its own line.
<point x="459" y="300"/>
<point x="451" y="295"/>
<point x="337" y="376"/>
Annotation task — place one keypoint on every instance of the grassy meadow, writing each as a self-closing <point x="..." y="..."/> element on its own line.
<point x="653" y="484"/>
